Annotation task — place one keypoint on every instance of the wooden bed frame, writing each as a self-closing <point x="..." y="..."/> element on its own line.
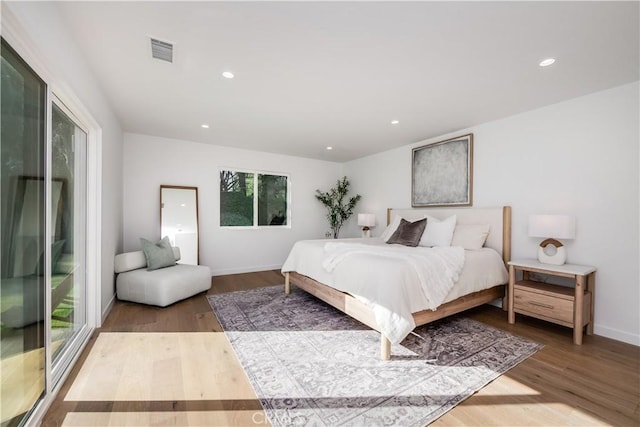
<point x="359" y="311"/>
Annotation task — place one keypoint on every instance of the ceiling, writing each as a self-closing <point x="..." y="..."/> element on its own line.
<point x="314" y="74"/>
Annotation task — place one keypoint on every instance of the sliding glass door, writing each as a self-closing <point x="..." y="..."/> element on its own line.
<point x="68" y="226"/>
<point x="43" y="229"/>
<point x="22" y="237"/>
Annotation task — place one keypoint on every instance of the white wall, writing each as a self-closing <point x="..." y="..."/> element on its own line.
<point x="46" y="35"/>
<point x="151" y="161"/>
<point x="578" y="157"/>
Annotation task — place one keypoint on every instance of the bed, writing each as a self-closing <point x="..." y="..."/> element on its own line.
<point x="383" y="307"/>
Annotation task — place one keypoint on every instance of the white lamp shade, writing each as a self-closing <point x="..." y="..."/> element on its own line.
<point x="552" y="226"/>
<point x="366" y="220"/>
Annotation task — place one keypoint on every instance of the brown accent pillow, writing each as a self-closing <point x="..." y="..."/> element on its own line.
<point x="408" y="233"/>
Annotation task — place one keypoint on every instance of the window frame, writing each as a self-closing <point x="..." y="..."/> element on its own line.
<point x="255" y="173"/>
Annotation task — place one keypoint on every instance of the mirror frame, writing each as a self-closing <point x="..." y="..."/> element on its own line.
<point x="183" y="187"/>
<point x="21" y="192"/>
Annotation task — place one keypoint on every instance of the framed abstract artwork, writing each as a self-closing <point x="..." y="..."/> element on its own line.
<point x="442" y="173"/>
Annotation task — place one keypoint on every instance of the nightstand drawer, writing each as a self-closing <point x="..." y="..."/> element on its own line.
<point x="546" y="307"/>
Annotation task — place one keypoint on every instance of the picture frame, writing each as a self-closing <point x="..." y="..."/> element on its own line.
<point x="442" y="173"/>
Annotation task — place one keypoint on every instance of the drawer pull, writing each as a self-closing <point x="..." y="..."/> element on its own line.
<point x="539" y="304"/>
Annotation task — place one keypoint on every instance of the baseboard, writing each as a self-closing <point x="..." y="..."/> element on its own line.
<point x="603" y="331"/>
<point x="224" y="272"/>
<point x="107" y="309"/>
<point x="616" y="334"/>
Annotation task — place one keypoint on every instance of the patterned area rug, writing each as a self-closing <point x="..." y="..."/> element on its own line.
<point x="310" y="364"/>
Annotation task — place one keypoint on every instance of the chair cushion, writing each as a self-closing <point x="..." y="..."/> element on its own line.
<point x="164" y="286"/>
<point x="133" y="260"/>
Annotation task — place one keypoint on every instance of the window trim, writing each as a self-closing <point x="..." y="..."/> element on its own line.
<point x="255" y="225"/>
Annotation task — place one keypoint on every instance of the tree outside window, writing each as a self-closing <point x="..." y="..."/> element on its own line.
<point x="253" y="199"/>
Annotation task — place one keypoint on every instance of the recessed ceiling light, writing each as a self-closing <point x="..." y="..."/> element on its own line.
<point x="329" y="148"/>
<point x="395" y="122"/>
<point x="228" y="75"/>
<point x="183" y="205"/>
<point x="204" y="126"/>
<point x="547" y="62"/>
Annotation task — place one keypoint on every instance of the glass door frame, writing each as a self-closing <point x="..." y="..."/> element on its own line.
<point x="74" y="345"/>
<point x="24" y="217"/>
<point x="20" y="41"/>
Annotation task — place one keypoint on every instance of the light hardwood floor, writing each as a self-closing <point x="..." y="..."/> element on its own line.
<point x="597" y="383"/>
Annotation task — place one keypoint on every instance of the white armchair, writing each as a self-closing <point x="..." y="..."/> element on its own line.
<point x="160" y="287"/>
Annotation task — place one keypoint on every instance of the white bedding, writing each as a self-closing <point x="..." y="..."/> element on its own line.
<point x="436" y="269"/>
<point x="386" y="284"/>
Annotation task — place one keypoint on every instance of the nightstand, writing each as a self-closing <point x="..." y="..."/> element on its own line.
<point x="572" y="307"/>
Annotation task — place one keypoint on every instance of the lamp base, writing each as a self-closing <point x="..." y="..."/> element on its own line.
<point x="366" y="232"/>
<point x="552" y="252"/>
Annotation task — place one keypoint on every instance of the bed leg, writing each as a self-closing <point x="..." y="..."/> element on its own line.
<point x="287" y="284"/>
<point x="385" y="348"/>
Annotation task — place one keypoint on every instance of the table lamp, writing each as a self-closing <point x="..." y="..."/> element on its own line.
<point x="366" y="220"/>
<point x="552" y="228"/>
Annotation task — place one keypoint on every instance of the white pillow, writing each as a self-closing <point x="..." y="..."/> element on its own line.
<point x="391" y="228"/>
<point x="438" y="233"/>
<point x="470" y="236"/>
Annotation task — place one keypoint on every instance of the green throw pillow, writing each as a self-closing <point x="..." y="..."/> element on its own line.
<point x="159" y="254"/>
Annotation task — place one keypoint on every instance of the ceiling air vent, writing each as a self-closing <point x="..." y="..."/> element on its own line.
<point x="162" y="50"/>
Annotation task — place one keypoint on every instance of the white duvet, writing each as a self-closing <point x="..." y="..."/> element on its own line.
<point x="394" y="280"/>
<point x="436" y="269"/>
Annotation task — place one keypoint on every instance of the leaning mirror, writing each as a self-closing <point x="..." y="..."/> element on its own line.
<point x="179" y="220"/>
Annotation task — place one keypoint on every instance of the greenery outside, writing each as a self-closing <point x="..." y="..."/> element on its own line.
<point x="237" y="193"/>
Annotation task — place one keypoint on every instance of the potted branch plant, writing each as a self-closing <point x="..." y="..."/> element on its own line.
<point x="334" y="200"/>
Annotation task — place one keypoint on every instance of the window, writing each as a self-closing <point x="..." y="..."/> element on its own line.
<point x="253" y="199"/>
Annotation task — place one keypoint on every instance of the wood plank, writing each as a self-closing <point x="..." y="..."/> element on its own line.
<point x="461" y="304"/>
<point x="591" y="288"/>
<point x="597" y="383"/>
<point x="385" y="348"/>
<point x="506" y="234"/>
<point x="548" y="289"/>
<point x="510" y="298"/>
<point x="340" y="300"/>
<point x="359" y="311"/>
<point x="22" y="382"/>
<point x="578" y="312"/>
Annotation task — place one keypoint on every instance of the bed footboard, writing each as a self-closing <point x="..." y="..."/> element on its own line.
<point x="342" y="301"/>
<point x="359" y="311"/>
